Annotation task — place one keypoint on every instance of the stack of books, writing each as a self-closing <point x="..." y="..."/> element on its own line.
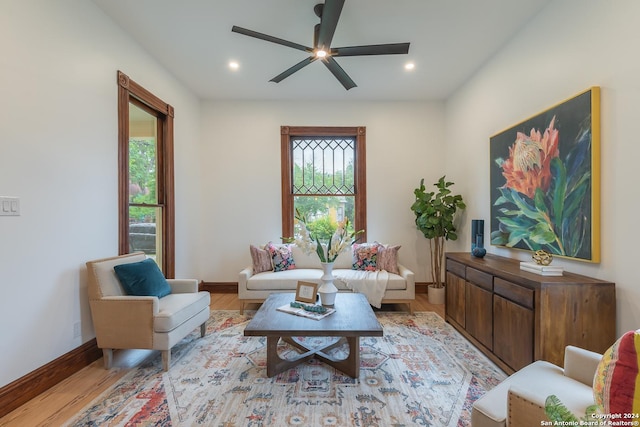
<point x="543" y="270"/>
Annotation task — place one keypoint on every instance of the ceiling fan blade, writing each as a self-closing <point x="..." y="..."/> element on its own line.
<point x="339" y="73"/>
<point x="293" y="69"/>
<point x="329" y="21"/>
<point x="268" y="38"/>
<point x="373" y="49"/>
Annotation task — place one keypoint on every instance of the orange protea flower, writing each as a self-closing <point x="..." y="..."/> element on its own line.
<point x="529" y="164"/>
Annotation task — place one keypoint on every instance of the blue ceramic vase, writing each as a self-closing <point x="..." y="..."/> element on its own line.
<point x="478" y="252"/>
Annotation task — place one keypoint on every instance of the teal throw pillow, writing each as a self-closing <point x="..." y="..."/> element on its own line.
<point x="143" y="278"/>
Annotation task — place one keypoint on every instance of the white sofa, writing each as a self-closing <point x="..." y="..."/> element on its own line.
<point x="255" y="288"/>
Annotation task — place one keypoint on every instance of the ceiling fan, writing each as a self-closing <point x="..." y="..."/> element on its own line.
<point x="329" y="13"/>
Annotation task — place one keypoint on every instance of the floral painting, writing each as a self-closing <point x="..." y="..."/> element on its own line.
<point x="545" y="181"/>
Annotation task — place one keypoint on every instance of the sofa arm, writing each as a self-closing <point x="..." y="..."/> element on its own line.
<point x="149" y="305"/>
<point x="183" y="286"/>
<point x="243" y="277"/>
<point x="523" y="410"/>
<point x="406" y="273"/>
<point x="124" y="321"/>
<point x="408" y="276"/>
<point x="581" y="364"/>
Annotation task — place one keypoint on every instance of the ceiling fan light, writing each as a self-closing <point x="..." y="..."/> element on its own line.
<point x="321" y="53"/>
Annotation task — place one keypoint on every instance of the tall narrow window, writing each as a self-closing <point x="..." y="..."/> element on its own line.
<point x="324" y="177"/>
<point x="146" y="209"/>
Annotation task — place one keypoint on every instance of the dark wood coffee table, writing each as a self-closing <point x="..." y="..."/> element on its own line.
<point x="353" y="319"/>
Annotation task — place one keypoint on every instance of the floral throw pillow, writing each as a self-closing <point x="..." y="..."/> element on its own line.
<point x="260" y="259"/>
<point x="281" y="257"/>
<point x="388" y="258"/>
<point x="365" y="256"/>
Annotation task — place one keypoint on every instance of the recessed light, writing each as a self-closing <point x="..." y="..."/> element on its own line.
<point x="409" y="66"/>
<point x="234" y="65"/>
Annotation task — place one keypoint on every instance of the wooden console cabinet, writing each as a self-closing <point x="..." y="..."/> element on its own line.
<point x="516" y="317"/>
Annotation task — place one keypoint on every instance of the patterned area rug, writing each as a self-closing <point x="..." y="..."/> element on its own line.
<point x="421" y="373"/>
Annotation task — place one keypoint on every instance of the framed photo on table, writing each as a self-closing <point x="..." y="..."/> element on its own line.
<point x="306" y="292"/>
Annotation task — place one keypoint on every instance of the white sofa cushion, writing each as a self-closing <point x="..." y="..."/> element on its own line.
<point x="303" y="260"/>
<point x="288" y="280"/>
<point x="344" y="260"/>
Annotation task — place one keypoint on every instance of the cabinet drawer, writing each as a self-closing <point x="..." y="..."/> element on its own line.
<point x="513" y="292"/>
<point x="480" y="278"/>
<point x="455" y="267"/>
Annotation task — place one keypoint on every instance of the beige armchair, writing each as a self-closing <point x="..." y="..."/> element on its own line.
<point x="145" y="322"/>
<point x="520" y="399"/>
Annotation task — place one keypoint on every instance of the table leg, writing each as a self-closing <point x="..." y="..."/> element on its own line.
<point x="275" y="364"/>
<point x="350" y="365"/>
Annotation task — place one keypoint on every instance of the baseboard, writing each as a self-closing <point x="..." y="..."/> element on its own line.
<point x="421" y="287"/>
<point x="219" y="287"/>
<point x="22" y="390"/>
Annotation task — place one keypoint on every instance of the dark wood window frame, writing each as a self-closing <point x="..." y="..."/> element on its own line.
<point x="360" y="133"/>
<point x="130" y="91"/>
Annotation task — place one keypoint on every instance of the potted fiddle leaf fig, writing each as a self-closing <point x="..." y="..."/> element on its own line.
<point x="435" y="212"/>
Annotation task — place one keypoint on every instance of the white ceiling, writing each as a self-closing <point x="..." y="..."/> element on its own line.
<point x="450" y="40"/>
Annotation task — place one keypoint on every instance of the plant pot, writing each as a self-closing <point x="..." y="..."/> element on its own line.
<point x="436" y="295"/>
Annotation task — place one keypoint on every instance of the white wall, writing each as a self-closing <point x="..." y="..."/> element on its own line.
<point x="571" y="46"/>
<point x="241" y="173"/>
<point x="58" y="154"/>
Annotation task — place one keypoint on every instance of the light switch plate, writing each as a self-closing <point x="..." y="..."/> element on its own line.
<point x="9" y="206"/>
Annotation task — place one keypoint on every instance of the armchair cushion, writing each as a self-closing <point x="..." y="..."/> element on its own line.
<point x="176" y="309"/>
<point x="142" y="278"/>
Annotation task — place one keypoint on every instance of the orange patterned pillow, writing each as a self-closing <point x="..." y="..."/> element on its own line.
<point x="616" y="385"/>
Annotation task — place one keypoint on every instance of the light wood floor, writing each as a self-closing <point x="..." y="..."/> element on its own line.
<point x="58" y="404"/>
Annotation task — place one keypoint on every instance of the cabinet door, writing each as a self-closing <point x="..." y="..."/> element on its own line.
<point x="455" y="296"/>
<point x="512" y="332"/>
<point x="479" y="314"/>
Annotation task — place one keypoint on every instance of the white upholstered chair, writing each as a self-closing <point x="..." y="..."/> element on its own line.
<point x="122" y="321"/>
<point x="519" y="401"/>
